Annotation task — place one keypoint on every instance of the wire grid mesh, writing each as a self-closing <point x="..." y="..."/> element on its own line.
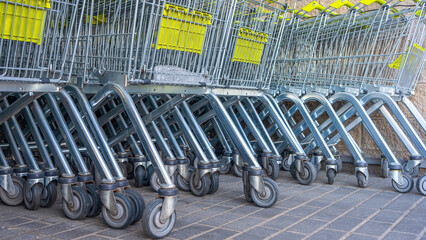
<point x="381" y="49"/>
<point x="254" y="33"/>
<point x="163" y="42"/>
<point x="35" y="39"/>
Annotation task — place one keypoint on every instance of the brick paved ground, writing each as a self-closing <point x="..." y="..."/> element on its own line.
<point x="318" y="211"/>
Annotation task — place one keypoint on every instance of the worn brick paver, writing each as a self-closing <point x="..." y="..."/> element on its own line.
<point x="318" y="211"/>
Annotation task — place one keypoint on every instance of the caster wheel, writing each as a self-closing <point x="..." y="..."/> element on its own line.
<point x="308" y="175"/>
<point x="139" y="176"/>
<point x="293" y="170"/>
<point x="406" y="186"/>
<point x="79" y="208"/>
<point x="421" y="184"/>
<point x="18" y="197"/>
<point x="49" y="195"/>
<point x="155" y="181"/>
<point x="124" y="215"/>
<point x="247" y="194"/>
<point x="413" y="172"/>
<point x="94" y="208"/>
<point x="318" y="166"/>
<point x="270" y="196"/>
<point x="147" y="177"/>
<point x="331" y="174"/>
<point x="199" y="188"/>
<point x="139" y="204"/>
<point x="362" y="180"/>
<point x="182" y="183"/>
<point x="214" y="183"/>
<point x="286" y="164"/>
<point x="32" y="196"/>
<point x="151" y="224"/>
<point x="237" y="170"/>
<point x="339" y="164"/>
<point x="225" y="168"/>
<point x="129" y="169"/>
<point x="123" y="168"/>
<point x="385" y="168"/>
<point x="272" y="169"/>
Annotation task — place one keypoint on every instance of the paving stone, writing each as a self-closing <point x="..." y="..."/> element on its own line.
<point x="218" y="234"/>
<point x="373" y="228"/>
<point x="28" y="236"/>
<point x="114" y="232"/>
<point x="281" y="222"/>
<point x="387" y="216"/>
<point x="77" y="232"/>
<point x="327" y="234"/>
<point x="303" y="211"/>
<point x="60" y="227"/>
<point x="399" y="236"/>
<point x="256" y="233"/>
<point x="410" y="226"/>
<point x="268" y="212"/>
<point x="288" y="235"/>
<point x="221" y="219"/>
<point x="355" y="236"/>
<point x="344" y="223"/>
<point x="418" y="214"/>
<point x="32" y="225"/>
<point x="14" y="221"/>
<point x="327" y="214"/>
<point x="307" y="226"/>
<point x="6" y="232"/>
<point x="94" y="237"/>
<point x="361" y="212"/>
<point x="188" y="232"/>
<point x="244" y="223"/>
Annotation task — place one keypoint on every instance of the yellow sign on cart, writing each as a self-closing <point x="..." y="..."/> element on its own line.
<point x="249" y="46"/>
<point x="23" y="20"/>
<point x="182" y="30"/>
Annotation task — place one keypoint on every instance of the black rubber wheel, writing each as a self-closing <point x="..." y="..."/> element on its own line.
<point x="385" y="168"/>
<point x="139" y="204"/>
<point x="362" y="180"/>
<point x="124" y="215"/>
<point x="49" y="195"/>
<point x="270" y="196"/>
<point x="339" y="164"/>
<point x="272" y="169"/>
<point x="18" y="197"/>
<point x="95" y="205"/>
<point x="202" y="187"/>
<point x="286" y="164"/>
<point x="156" y="183"/>
<point x="247" y="194"/>
<point x="182" y="183"/>
<point x="148" y="172"/>
<point x="139" y="176"/>
<point x="237" y="170"/>
<point x="214" y="183"/>
<point x="406" y="186"/>
<point x="129" y="169"/>
<point x="421" y="184"/>
<point x="79" y="209"/>
<point x="151" y="224"/>
<point x="32" y="195"/>
<point x="331" y="174"/>
<point x="225" y="168"/>
<point x="293" y="170"/>
<point x="309" y="174"/>
<point x="123" y="168"/>
<point x="414" y="172"/>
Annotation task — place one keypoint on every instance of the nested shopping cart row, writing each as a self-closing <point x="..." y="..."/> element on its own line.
<point x="172" y="93"/>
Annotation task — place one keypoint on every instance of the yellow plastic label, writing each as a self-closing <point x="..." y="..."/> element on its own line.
<point x="97" y="19"/>
<point x="249" y="46"/>
<point x="340" y="3"/>
<point x="26" y="17"/>
<point x="315" y="5"/>
<point x="369" y="2"/>
<point x="413" y="53"/>
<point x="182" y="30"/>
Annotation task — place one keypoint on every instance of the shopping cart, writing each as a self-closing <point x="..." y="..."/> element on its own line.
<point x="360" y="53"/>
